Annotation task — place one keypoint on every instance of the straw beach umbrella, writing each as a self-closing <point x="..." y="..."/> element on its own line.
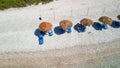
<point x="118" y="17"/>
<point x="65" y="24"/>
<point x="105" y="20"/>
<point x="45" y="26"/>
<point x="86" y="22"/>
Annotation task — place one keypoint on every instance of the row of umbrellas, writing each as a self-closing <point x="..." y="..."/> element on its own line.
<point x="46" y="27"/>
<point x="65" y="24"/>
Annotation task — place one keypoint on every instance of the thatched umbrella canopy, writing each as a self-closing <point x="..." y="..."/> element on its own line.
<point x="65" y="24"/>
<point x="86" y="22"/>
<point x="118" y="17"/>
<point x="105" y="20"/>
<point x="45" y="26"/>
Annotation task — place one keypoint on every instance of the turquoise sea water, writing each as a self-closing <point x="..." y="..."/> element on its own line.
<point x="107" y="62"/>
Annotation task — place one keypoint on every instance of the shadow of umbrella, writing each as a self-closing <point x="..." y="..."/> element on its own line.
<point x="79" y="28"/>
<point x="38" y="32"/>
<point x="76" y="27"/>
<point x="115" y="24"/>
<point x="58" y="30"/>
<point x="97" y="26"/>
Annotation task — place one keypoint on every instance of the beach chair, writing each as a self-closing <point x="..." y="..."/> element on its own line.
<point x="50" y="33"/>
<point x="69" y="30"/>
<point x="41" y="35"/>
<point x="105" y="26"/>
<point x="41" y="41"/>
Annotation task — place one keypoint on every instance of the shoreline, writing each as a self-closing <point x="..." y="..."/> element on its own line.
<point x="62" y="57"/>
<point x="102" y="46"/>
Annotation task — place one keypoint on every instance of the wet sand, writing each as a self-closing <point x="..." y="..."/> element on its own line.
<point x="88" y="56"/>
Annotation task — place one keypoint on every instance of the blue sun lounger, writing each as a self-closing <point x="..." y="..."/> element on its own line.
<point x="50" y="33"/>
<point x="69" y="30"/>
<point x="41" y="40"/>
<point x="105" y="26"/>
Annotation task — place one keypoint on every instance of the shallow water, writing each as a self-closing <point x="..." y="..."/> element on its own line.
<point x="108" y="62"/>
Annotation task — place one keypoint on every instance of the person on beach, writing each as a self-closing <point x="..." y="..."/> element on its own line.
<point x="40" y="18"/>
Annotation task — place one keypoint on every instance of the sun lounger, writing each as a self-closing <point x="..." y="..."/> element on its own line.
<point x="41" y="40"/>
<point x="41" y="35"/>
<point x="69" y="30"/>
<point x="50" y="33"/>
<point x="105" y="26"/>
